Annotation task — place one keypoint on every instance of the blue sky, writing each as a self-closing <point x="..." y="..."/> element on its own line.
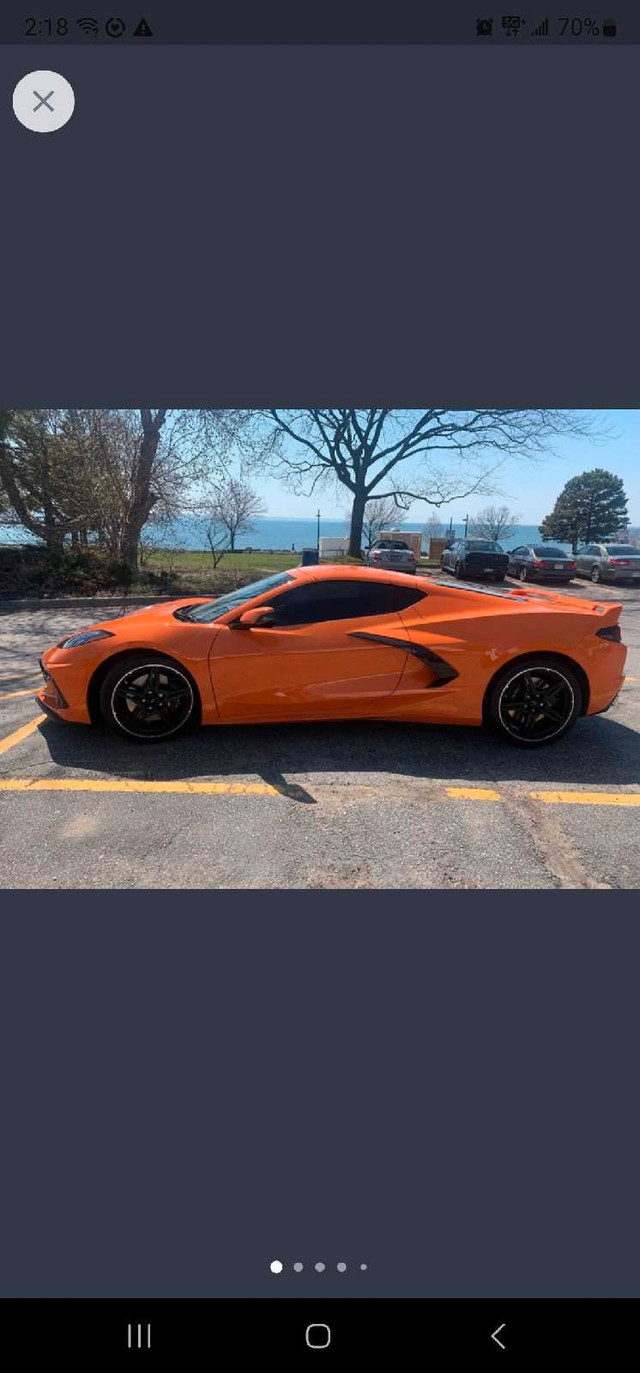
<point x="529" y="490"/>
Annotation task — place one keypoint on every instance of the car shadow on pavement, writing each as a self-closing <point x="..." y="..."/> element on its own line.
<point x="599" y="752"/>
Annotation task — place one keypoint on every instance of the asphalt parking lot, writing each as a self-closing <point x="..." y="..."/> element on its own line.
<point x="312" y="806"/>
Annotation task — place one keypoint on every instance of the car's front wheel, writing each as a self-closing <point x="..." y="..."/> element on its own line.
<point x="523" y="574"/>
<point x="458" y="571"/>
<point x="147" y="698"/>
<point x="596" y="575"/>
<point x="534" y="702"/>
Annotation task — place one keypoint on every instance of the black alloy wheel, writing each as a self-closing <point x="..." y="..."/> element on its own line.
<point x="535" y="703"/>
<point x="147" y="699"/>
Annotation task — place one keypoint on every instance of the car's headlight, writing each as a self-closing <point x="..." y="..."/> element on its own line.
<point x="85" y="637"/>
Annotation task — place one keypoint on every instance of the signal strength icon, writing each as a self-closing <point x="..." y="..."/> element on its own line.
<point x="89" y="27"/>
<point x="541" y="30"/>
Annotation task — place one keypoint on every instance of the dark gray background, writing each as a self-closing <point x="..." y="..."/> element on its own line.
<point x="441" y="1086"/>
<point x="324" y="225"/>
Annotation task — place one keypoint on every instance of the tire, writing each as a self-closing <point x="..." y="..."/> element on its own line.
<point x="523" y="574"/>
<point x="509" y="700"/>
<point x="499" y="576"/>
<point x="458" y="571"/>
<point x="596" y="575"/>
<point x="167" y="701"/>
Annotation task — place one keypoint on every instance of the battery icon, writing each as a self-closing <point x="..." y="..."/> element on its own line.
<point x="609" y="28"/>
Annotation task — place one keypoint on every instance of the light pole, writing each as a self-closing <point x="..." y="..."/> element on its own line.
<point x="466" y="526"/>
<point x="318" y="533"/>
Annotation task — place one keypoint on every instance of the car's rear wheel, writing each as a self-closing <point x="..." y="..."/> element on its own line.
<point x="534" y="702"/>
<point x="595" y="573"/>
<point x="458" y="571"/>
<point x="499" y="576"/>
<point x="147" y="698"/>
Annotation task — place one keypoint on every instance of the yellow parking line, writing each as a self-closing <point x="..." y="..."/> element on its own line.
<point x="20" y="734"/>
<point x="135" y="785"/>
<point x="631" y="679"/>
<point x="474" y="793"/>
<point x="9" y="695"/>
<point x="587" y="798"/>
<point x="18" y="676"/>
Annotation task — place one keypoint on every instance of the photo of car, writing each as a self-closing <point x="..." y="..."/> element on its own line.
<point x="339" y="643"/>
<point x="609" y="562"/>
<point x="541" y="562"/>
<point x="393" y="553"/>
<point x="475" y="558"/>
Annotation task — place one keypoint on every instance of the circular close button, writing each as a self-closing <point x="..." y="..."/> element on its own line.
<point x="43" y="101"/>
<point x="318" y="1336"/>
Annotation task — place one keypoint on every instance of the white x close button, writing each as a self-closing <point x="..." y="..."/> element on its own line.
<point x="43" y="101"/>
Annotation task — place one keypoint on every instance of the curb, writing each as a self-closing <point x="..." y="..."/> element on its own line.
<point x="91" y="602"/>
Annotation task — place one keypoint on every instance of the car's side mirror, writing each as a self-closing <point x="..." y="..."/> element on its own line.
<point x="261" y="617"/>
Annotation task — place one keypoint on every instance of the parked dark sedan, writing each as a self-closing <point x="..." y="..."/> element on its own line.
<point x="541" y="562"/>
<point x="475" y="558"/>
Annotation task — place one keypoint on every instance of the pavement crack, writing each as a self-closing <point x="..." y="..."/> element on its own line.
<point x="553" y="845"/>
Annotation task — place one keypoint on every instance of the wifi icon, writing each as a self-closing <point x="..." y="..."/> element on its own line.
<point x="89" y="27"/>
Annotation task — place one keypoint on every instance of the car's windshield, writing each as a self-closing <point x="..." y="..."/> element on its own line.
<point x="391" y="543"/>
<point x="626" y="550"/>
<point x="212" y="610"/>
<point x="548" y="551"/>
<point x="484" y="546"/>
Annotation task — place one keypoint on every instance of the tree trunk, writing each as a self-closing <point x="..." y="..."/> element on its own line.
<point x="143" y="498"/>
<point x="357" y="519"/>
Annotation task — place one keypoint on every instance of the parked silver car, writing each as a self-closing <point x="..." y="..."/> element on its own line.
<point x="609" y="562"/>
<point x="391" y="553"/>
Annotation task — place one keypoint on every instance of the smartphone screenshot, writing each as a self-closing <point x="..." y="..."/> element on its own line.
<point x="319" y="684"/>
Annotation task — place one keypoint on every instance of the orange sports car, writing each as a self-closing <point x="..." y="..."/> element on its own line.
<point x="336" y="643"/>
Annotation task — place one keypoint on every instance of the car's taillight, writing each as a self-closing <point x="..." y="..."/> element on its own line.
<point x="620" y="562"/>
<point x="536" y="563"/>
<point x="610" y="632"/>
<point x="376" y="555"/>
<point x="570" y="565"/>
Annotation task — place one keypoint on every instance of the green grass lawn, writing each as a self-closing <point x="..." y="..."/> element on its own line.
<point x="190" y="560"/>
<point x="191" y="571"/>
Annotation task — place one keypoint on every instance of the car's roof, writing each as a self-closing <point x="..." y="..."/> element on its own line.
<point x="329" y="571"/>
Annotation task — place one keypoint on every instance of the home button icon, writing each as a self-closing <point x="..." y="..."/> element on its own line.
<point x="318" y="1336"/>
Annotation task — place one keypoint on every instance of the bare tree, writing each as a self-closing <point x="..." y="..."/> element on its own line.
<point x="495" y="522"/>
<point x="103" y="472"/>
<point x="378" y="515"/>
<point x="233" y="505"/>
<point x="434" y="527"/>
<point x="217" y="539"/>
<point x="397" y="454"/>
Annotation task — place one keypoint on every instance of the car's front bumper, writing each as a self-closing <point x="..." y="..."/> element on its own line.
<point x="61" y="696"/>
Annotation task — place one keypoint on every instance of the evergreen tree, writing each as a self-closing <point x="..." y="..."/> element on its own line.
<point x="590" y="507"/>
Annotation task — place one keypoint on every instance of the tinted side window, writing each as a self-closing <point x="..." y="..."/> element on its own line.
<point x="345" y="600"/>
<point x="403" y="596"/>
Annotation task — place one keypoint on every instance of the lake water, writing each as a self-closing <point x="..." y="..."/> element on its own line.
<point x="282" y="534"/>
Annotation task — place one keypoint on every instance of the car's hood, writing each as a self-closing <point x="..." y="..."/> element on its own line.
<point x="147" y="617"/>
